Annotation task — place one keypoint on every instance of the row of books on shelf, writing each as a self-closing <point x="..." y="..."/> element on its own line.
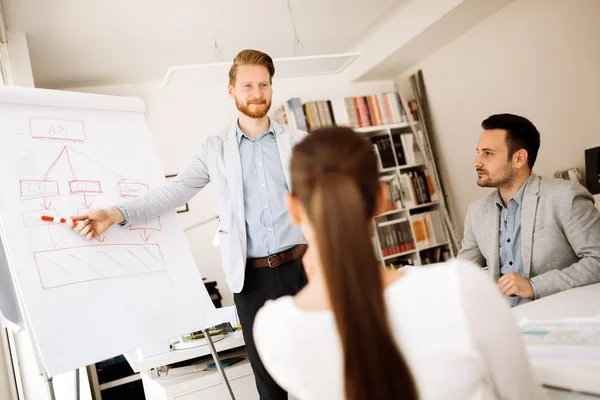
<point x="410" y="189"/>
<point x="430" y="256"/>
<point x="417" y="188"/>
<point x="397" y="149"/>
<point x="435" y="255"/>
<point x="428" y="228"/>
<point x="356" y="112"/>
<point x="396" y="238"/>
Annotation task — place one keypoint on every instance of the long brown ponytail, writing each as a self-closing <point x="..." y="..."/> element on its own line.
<point x="335" y="177"/>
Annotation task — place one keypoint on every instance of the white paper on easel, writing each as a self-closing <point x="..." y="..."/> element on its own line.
<point x="85" y="301"/>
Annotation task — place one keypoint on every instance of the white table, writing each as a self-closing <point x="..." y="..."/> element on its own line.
<point x="575" y="303"/>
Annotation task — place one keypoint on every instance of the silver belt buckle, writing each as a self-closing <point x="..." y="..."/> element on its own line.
<point x="269" y="261"/>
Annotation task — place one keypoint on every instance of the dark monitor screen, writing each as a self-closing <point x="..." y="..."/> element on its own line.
<point x="592" y="170"/>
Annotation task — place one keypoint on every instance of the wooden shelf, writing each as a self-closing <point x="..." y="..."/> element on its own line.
<point x="390" y="169"/>
<point x="375" y="128"/>
<point x="405" y="253"/>
<point x="432" y="246"/>
<point x="390" y="212"/>
<point x="392" y="222"/>
<point x="423" y="205"/>
<point x="411" y="166"/>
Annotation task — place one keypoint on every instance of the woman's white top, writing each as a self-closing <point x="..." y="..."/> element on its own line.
<point x="450" y="322"/>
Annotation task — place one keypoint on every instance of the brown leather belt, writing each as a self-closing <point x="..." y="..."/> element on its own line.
<point x="276" y="260"/>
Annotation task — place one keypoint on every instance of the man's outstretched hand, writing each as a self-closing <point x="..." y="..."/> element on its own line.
<point x="95" y="222"/>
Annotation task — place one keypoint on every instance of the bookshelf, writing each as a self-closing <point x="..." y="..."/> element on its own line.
<point x="413" y="230"/>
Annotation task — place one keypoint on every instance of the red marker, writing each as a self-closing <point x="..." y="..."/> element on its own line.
<point x="48" y="218"/>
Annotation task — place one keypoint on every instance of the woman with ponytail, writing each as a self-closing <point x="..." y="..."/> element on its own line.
<point x="358" y="331"/>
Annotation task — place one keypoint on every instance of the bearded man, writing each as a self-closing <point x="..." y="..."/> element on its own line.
<point x="537" y="236"/>
<point x="248" y="163"/>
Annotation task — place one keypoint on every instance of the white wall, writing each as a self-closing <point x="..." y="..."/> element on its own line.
<point x="536" y="58"/>
<point x="181" y="118"/>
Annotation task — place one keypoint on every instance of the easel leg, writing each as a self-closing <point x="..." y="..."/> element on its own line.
<point x="215" y="357"/>
<point x="77" y="396"/>
<point x="50" y="386"/>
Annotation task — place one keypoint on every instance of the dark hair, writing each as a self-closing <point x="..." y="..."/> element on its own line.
<point x="335" y="177"/>
<point x="520" y="134"/>
<point x="251" y="57"/>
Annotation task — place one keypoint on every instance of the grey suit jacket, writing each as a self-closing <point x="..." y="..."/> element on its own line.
<point x="560" y="235"/>
<point x="217" y="161"/>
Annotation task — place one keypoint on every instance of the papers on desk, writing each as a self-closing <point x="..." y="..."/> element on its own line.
<point x="570" y="340"/>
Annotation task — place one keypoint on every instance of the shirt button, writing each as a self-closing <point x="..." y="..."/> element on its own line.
<point x="266" y="207"/>
<point x="259" y="163"/>
<point x="270" y="229"/>
<point x="510" y="263"/>
<point x="262" y="184"/>
<point x="508" y="240"/>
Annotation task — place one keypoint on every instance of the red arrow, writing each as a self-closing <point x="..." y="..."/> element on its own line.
<point x="46" y="204"/>
<point x="52" y="243"/>
<point x="85" y="202"/>
<point x="145" y="237"/>
<point x="100" y="238"/>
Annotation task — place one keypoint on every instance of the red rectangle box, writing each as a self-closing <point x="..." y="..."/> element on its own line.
<point x="30" y="189"/>
<point x="85" y="264"/>
<point x="131" y="189"/>
<point x="33" y="218"/>
<point x="57" y="129"/>
<point x="152" y="224"/>
<point x="80" y="187"/>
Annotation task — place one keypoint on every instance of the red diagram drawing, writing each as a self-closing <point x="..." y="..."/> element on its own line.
<point x="74" y="265"/>
<point x="31" y="189"/>
<point x="127" y="188"/>
<point x="32" y="218"/>
<point x="85" y="187"/>
<point x="152" y="224"/>
<point x="57" y="129"/>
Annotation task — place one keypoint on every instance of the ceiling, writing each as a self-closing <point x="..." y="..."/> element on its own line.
<point x="91" y="42"/>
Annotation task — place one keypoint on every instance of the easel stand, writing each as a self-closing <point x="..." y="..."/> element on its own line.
<point x="217" y="360"/>
<point x="211" y="345"/>
<point x="50" y="386"/>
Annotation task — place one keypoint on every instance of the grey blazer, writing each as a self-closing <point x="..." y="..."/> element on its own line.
<point x="217" y="161"/>
<point x="560" y="235"/>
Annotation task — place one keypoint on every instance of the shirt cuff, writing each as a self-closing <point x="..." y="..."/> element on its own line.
<point x="126" y="215"/>
<point x="535" y="292"/>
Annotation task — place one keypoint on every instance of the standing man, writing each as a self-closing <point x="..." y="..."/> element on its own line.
<point x="248" y="163"/>
<point x="537" y="236"/>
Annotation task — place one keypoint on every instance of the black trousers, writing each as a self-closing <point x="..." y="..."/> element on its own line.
<point x="260" y="285"/>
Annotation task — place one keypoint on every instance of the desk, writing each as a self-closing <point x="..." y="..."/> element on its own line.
<point x="199" y="385"/>
<point x="575" y="303"/>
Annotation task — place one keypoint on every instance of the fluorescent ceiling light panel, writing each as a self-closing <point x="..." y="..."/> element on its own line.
<point x="291" y="67"/>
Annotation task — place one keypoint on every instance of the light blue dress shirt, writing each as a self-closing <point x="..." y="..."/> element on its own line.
<point x="268" y="226"/>
<point x="510" y="239"/>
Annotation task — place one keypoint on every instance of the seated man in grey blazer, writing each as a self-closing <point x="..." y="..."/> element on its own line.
<point x="537" y="236"/>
